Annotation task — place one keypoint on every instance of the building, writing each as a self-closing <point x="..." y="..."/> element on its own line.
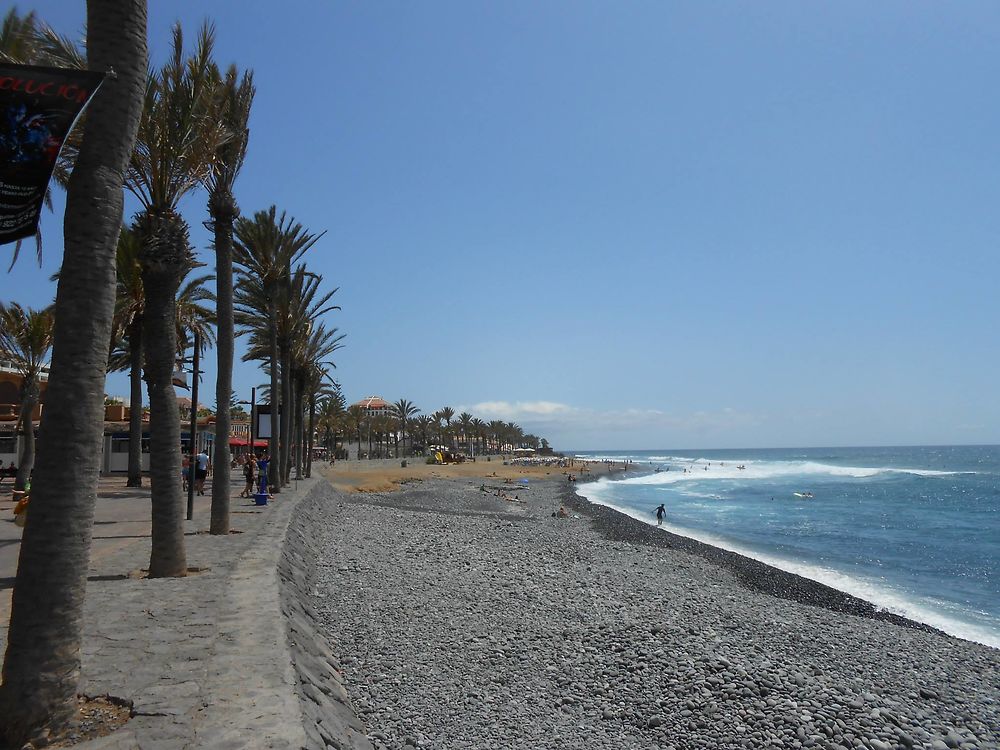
<point x="10" y="405"/>
<point x="114" y="458"/>
<point x="375" y="406"/>
<point x="10" y="390"/>
<point x="116" y="440"/>
<point x="10" y="382"/>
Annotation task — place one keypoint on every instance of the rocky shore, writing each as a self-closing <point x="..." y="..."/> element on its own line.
<point x="461" y="620"/>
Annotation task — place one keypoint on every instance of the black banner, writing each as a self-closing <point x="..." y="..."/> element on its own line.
<point x="38" y="107"/>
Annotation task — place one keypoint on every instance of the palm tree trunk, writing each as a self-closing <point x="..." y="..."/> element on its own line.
<point x="41" y="669"/>
<point x="294" y="428"/>
<point x="223" y="214"/>
<point x="26" y="459"/>
<point x="309" y="437"/>
<point x="273" y="442"/>
<point x="299" y="431"/>
<point x="167" y="557"/>
<point x="135" y="409"/>
<point x="286" y="414"/>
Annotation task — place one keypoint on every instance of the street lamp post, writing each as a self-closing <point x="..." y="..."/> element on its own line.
<point x="194" y="427"/>
<point x="253" y="413"/>
<point x="253" y="409"/>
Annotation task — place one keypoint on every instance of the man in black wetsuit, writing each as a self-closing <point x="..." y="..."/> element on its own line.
<point x="660" y="513"/>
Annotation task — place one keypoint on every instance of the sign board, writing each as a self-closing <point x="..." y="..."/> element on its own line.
<point x="262" y="430"/>
<point x="38" y="107"/>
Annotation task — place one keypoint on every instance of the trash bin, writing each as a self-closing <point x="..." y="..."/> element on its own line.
<point x="403" y="463"/>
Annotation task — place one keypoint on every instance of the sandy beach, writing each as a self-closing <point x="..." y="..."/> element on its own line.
<point x="387" y="474"/>
<point x="463" y="620"/>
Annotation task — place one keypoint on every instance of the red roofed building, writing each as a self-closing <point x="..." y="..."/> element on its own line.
<point x="375" y="406"/>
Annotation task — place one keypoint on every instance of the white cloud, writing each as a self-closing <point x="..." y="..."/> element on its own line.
<point x="518" y="410"/>
<point x="551" y="417"/>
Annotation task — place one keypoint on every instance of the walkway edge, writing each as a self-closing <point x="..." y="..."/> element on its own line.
<point x="253" y="647"/>
<point x="329" y="719"/>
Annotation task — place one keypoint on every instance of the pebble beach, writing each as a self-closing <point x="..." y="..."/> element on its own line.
<point x="465" y="620"/>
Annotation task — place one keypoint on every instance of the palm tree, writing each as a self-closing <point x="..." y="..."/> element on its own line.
<point x="233" y="100"/>
<point x="424" y="422"/>
<point x="175" y="147"/>
<point x="496" y="428"/>
<point x="130" y="301"/>
<point x="375" y="423"/>
<point x="311" y="359"/>
<point x="300" y="308"/>
<point x="444" y="414"/>
<point x="514" y="434"/>
<point x="19" y="38"/>
<point x="315" y="387"/>
<point x="41" y="669"/>
<point x="465" y="423"/>
<point x="479" y="430"/>
<point x="297" y="308"/>
<point x="373" y="426"/>
<point x="27" y="40"/>
<point x="403" y="410"/>
<point x="193" y="317"/>
<point x="356" y="420"/>
<point x="326" y="410"/>
<point x="384" y="429"/>
<point x="332" y="417"/>
<point x="126" y="353"/>
<point x="266" y="248"/>
<point x="26" y="339"/>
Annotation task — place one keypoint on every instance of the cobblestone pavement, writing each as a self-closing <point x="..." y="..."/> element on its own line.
<point x="203" y="658"/>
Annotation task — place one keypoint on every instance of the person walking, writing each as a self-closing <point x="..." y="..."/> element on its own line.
<point x="249" y="474"/>
<point x="262" y="465"/>
<point x="200" y="471"/>
<point x="660" y="513"/>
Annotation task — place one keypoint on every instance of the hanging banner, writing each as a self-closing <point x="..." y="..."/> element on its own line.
<point x="38" y="107"/>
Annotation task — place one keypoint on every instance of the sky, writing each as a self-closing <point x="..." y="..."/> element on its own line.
<point x="631" y="224"/>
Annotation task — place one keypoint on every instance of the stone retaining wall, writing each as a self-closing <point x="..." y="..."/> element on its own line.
<point x="329" y="719"/>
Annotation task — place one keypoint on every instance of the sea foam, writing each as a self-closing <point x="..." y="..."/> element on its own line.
<point x="756" y="470"/>
<point x="925" y="610"/>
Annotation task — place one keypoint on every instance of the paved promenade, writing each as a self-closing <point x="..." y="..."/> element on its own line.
<point x="203" y="658"/>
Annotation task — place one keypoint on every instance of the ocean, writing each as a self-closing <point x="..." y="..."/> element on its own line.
<point x="915" y="530"/>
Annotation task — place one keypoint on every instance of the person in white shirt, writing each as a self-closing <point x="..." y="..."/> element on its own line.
<point x="200" y="472"/>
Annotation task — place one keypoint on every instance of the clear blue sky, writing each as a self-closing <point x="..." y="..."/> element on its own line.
<point x="640" y="224"/>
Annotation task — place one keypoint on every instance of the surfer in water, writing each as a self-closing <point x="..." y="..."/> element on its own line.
<point x="660" y="513"/>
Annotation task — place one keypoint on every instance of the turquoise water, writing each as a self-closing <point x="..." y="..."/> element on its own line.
<point x="915" y="530"/>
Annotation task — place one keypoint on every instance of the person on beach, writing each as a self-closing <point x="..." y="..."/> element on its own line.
<point x="660" y="513"/>
<point x="249" y="476"/>
<point x="200" y="471"/>
<point x="262" y="465"/>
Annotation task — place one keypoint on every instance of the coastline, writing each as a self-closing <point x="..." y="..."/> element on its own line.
<point x="615" y="525"/>
<point x="465" y="621"/>
<point x="911" y="529"/>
